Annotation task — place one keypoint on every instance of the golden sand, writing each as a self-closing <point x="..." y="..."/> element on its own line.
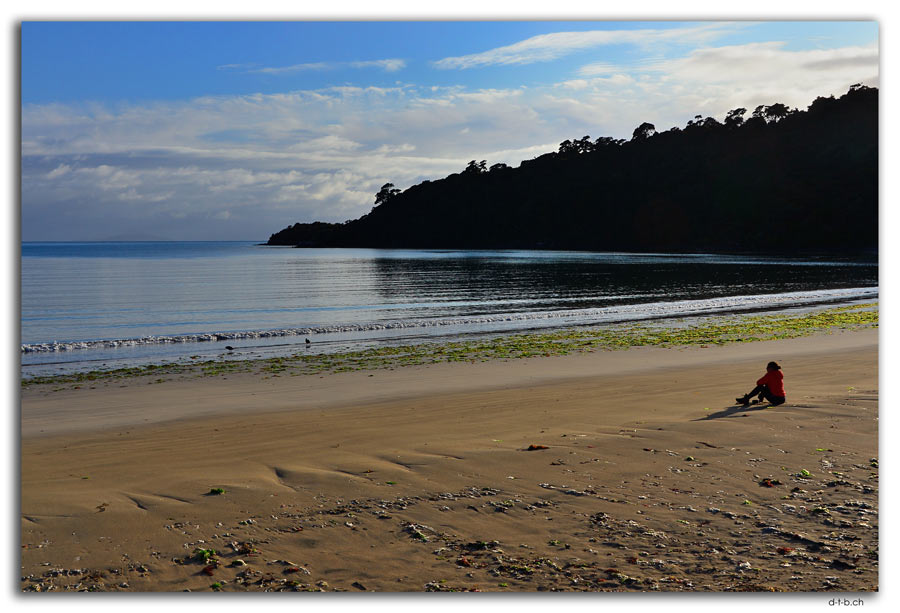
<point x="644" y="476"/>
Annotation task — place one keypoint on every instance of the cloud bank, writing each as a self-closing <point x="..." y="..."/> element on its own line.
<point x="242" y="167"/>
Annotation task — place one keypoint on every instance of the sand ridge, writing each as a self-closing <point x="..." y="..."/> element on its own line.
<point x="420" y="479"/>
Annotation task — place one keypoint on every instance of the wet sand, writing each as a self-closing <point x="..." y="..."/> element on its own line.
<point x="645" y="476"/>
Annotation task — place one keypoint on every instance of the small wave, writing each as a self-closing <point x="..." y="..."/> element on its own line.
<point x="631" y="312"/>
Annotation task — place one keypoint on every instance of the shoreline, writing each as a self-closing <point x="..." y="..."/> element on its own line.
<point x="717" y="329"/>
<point x="138" y="401"/>
<point x="720" y="306"/>
<point x="645" y="476"/>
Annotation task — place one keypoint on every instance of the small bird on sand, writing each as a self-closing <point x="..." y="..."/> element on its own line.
<point x="308" y="342"/>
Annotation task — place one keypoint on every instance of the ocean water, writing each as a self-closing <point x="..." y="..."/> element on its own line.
<point x="107" y="305"/>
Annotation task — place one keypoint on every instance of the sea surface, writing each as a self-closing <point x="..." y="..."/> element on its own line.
<point x="106" y="305"/>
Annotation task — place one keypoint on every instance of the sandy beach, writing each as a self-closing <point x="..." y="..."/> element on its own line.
<point x="627" y="470"/>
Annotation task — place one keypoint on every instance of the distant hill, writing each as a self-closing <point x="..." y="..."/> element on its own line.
<point x="774" y="180"/>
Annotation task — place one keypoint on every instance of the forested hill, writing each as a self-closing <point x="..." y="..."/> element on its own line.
<point x="773" y="180"/>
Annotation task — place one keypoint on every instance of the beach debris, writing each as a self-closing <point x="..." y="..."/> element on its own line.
<point x="767" y="482"/>
<point x="358" y="586"/>
<point x="215" y="491"/>
<point x="441" y="586"/>
<point x="762" y="534"/>
<point x="102" y="507"/>
<point x="573" y="492"/>
<point x="536" y="447"/>
<point x="481" y="545"/>
<point x="244" y="548"/>
<point x="415" y="531"/>
<point x="841" y="565"/>
<point x="803" y="474"/>
<point x="204" y="555"/>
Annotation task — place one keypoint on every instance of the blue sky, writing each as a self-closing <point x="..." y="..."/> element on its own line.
<point x="233" y="130"/>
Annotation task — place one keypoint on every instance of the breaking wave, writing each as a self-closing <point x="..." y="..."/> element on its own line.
<point x="610" y="314"/>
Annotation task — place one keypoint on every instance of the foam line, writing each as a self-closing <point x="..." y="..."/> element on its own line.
<point x="629" y="312"/>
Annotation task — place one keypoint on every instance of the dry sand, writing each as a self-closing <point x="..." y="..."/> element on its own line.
<point x="420" y="479"/>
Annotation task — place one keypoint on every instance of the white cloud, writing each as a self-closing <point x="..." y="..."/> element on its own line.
<point x="271" y="160"/>
<point x="547" y="47"/>
<point x="236" y="66"/>
<point x="399" y="148"/>
<point x="390" y="65"/>
<point x="291" y="69"/>
<point x="59" y="171"/>
<point x="713" y="80"/>
<point x="110" y="178"/>
<point x="598" y="68"/>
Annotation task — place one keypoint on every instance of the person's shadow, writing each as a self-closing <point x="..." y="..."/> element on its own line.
<point x="738" y="410"/>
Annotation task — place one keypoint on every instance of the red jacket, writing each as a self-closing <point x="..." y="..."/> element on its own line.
<point x="775" y="382"/>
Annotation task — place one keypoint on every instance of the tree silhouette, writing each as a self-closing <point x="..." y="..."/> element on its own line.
<point x="476" y="167"/>
<point x="781" y="180"/>
<point x="643" y="131"/>
<point x="735" y="117"/>
<point x="386" y="192"/>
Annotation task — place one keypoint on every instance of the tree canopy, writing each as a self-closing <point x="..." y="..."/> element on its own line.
<point x="780" y="180"/>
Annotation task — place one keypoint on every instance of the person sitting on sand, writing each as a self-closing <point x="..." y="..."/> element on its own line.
<point x="770" y="387"/>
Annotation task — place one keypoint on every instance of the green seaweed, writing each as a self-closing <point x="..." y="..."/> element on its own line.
<point x="204" y="555"/>
<point x="719" y="330"/>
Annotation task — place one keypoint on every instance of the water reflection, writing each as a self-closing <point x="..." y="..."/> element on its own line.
<point x="509" y="282"/>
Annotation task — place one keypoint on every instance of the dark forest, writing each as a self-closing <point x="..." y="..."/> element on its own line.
<point x="771" y="180"/>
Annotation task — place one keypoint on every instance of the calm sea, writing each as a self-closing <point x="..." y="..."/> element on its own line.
<point x="106" y="305"/>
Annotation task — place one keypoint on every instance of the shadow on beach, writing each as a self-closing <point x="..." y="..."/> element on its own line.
<point x="737" y="410"/>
